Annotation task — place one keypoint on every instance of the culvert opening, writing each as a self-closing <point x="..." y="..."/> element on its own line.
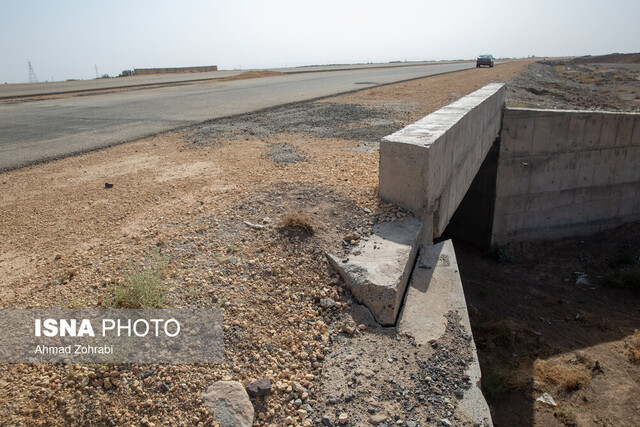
<point x="472" y="221"/>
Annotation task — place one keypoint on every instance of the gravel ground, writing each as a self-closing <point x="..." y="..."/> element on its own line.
<point x="390" y="379"/>
<point x="319" y="119"/>
<point x="67" y="241"/>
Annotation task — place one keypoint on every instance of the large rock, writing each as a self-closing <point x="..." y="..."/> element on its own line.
<point x="230" y="403"/>
<point x="379" y="273"/>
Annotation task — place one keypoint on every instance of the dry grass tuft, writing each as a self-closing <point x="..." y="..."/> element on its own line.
<point x="566" y="377"/>
<point x="634" y="347"/>
<point x="298" y="222"/>
<point x="142" y="288"/>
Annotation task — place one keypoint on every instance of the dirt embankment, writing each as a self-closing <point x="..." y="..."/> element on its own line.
<point x="578" y="84"/>
<point x="613" y="58"/>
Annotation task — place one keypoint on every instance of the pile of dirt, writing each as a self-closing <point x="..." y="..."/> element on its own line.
<point x="253" y="75"/>
<point x="284" y="153"/>
<point x="612" y="58"/>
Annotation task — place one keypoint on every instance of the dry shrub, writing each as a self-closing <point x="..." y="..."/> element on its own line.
<point x="142" y="288"/>
<point x="298" y="222"/>
<point x="634" y="347"/>
<point x="566" y="377"/>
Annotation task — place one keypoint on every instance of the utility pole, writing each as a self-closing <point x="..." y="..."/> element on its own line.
<point x="32" y="74"/>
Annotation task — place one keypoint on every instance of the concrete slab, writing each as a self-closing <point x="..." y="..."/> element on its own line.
<point x="434" y="292"/>
<point x="379" y="269"/>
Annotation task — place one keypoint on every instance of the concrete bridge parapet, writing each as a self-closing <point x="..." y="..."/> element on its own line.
<point x="428" y="166"/>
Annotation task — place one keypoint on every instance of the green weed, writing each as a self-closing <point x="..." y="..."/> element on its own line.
<point x="500" y="253"/>
<point x="494" y="383"/>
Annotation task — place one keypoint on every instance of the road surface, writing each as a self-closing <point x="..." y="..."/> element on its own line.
<point x="71" y="86"/>
<point x="36" y="131"/>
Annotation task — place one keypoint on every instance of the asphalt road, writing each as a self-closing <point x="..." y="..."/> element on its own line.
<point x="71" y="86"/>
<point x="36" y="131"/>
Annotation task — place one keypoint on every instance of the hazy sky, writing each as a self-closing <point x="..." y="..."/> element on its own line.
<point x="68" y="38"/>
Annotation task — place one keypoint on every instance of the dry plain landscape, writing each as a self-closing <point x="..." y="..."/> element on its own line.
<point x="307" y="174"/>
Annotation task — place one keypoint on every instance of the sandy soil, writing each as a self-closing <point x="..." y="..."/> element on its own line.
<point x="67" y="241"/>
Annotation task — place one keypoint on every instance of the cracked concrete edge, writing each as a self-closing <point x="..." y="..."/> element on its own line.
<point x="431" y="294"/>
<point x="384" y="301"/>
<point x="360" y="289"/>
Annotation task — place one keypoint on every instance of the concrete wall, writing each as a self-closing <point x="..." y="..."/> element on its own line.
<point x="428" y="166"/>
<point x="176" y="70"/>
<point x="566" y="173"/>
